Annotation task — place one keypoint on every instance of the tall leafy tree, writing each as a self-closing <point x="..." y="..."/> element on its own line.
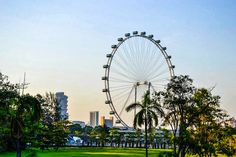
<point x="25" y="108"/>
<point x="206" y="124"/>
<point x="113" y="134"/>
<point x="148" y="115"/>
<point x="8" y="91"/>
<point x="176" y="101"/>
<point x="86" y="134"/>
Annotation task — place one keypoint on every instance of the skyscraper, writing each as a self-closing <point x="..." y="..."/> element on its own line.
<point x="94" y="115"/>
<point x="62" y="104"/>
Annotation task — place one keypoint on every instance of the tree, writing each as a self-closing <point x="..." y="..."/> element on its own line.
<point x="8" y="91"/>
<point x="48" y="103"/>
<point x="99" y="133"/>
<point x="139" y="137"/>
<point x="112" y="133"/>
<point x="26" y="108"/>
<point x="147" y="115"/>
<point x="176" y="102"/>
<point x="195" y="118"/>
<point x="60" y="133"/>
<point x="207" y="125"/>
<point x="75" y="128"/>
<point x="54" y="130"/>
<point x="86" y="134"/>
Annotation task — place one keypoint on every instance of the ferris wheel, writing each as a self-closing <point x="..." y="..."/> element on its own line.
<point x="136" y="64"/>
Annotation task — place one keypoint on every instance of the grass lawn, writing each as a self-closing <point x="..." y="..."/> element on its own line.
<point x="95" y="152"/>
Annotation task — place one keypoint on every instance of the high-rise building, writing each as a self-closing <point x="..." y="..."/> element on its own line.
<point x="94" y="118"/>
<point x="107" y="122"/>
<point x="62" y="104"/>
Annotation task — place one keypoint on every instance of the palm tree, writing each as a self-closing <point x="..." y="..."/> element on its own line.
<point x="147" y="115"/>
<point x="26" y="108"/>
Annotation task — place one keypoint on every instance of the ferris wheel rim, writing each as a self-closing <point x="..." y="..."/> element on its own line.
<point x="109" y="63"/>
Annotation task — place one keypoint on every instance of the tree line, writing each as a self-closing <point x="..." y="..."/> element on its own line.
<point x="198" y="125"/>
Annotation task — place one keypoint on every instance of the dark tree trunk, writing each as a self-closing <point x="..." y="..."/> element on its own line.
<point x="146" y="146"/>
<point x="18" y="149"/>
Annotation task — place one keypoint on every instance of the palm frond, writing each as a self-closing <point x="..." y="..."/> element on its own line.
<point x="154" y="118"/>
<point x="140" y="117"/>
<point x="133" y="106"/>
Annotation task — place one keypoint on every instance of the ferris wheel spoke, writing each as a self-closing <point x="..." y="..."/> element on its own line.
<point x="124" y="69"/>
<point x="159" y="84"/>
<point x="128" y="70"/>
<point x="119" y="94"/>
<point x="118" y="89"/>
<point x="154" y="66"/>
<point x="120" y="99"/>
<point x="163" y="81"/>
<point x="124" y="62"/>
<point x="150" y="55"/>
<point x="132" y="63"/>
<point x="142" y="57"/>
<point x="122" y="85"/>
<point x="159" y="74"/>
<point x="112" y="79"/>
<point x="126" y="101"/>
<point x="153" y="61"/>
<point x="166" y="79"/>
<point x="154" y="71"/>
<point x="136" y="57"/>
<point x="123" y="75"/>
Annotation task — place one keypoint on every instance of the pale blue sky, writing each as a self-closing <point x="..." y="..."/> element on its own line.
<point x="61" y="44"/>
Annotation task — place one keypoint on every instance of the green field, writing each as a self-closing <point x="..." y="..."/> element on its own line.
<point x="95" y="152"/>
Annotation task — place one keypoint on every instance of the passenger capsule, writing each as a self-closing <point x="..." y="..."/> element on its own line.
<point x="158" y="41"/>
<point x="105" y="66"/>
<point x="169" y="57"/>
<point x="164" y="48"/>
<point x="120" y="39"/>
<point x="105" y="90"/>
<point x="135" y="32"/>
<point x="127" y="34"/>
<point x="173" y="66"/>
<point x="150" y="36"/>
<point x="109" y="55"/>
<point x="113" y="46"/>
<point x="112" y="112"/>
<point x="143" y="33"/>
<point x="104" y="78"/>
<point x="107" y="102"/>
<point x="117" y="121"/>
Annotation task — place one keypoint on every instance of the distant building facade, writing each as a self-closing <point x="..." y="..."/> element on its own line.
<point x="62" y="104"/>
<point x="94" y="118"/>
<point x="81" y="123"/>
<point x="107" y="122"/>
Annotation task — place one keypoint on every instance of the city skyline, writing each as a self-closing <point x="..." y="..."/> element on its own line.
<point x="62" y="45"/>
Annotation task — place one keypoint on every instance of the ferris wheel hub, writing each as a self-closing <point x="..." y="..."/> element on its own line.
<point x="141" y="83"/>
